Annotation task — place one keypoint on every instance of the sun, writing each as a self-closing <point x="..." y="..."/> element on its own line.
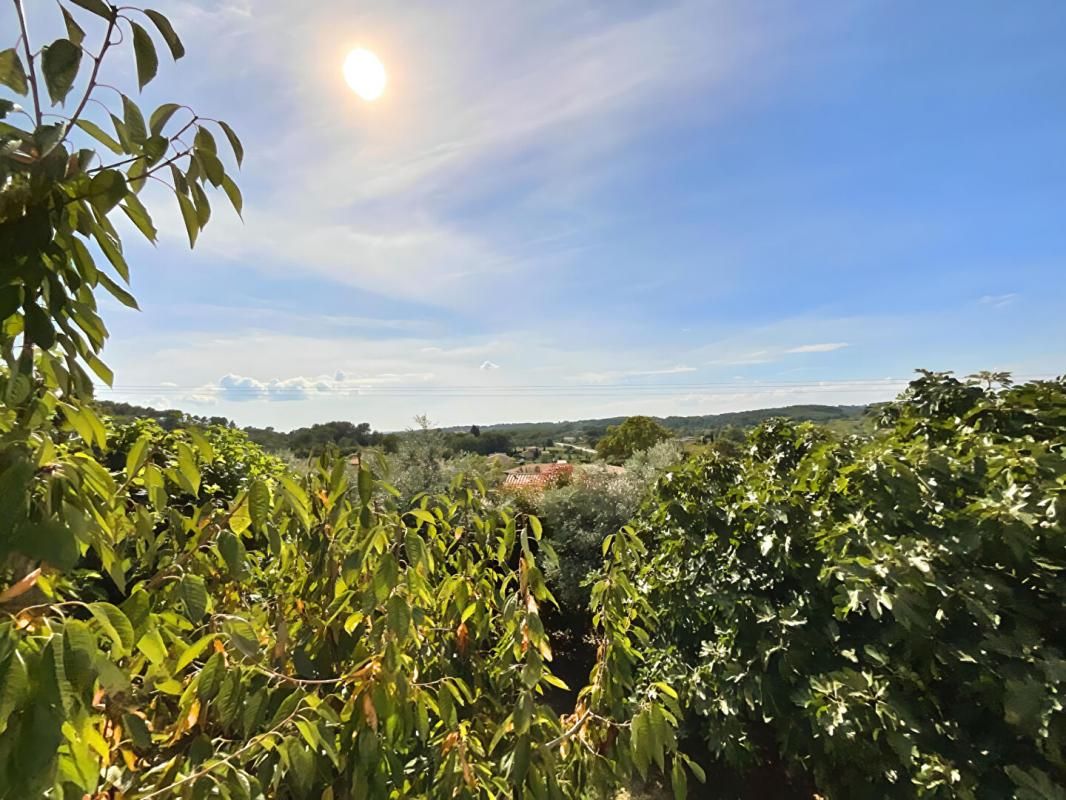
<point x="365" y="74"/>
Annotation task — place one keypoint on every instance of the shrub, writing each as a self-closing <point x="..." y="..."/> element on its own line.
<point x="881" y="617"/>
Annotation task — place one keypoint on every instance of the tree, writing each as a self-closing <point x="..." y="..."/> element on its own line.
<point x="475" y="430"/>
<point x="633" y="435"/>
<point x="875" y="616"/>
<point x="184" y="617"/>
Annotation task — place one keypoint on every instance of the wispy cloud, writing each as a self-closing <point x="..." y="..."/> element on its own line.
<point x="487" y="365"/>
<point x="823" y="347"/>
<point x="542" y="103"/>
<point x="999" y="300"/>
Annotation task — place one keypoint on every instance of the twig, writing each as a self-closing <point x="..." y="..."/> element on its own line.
<point x="98" y="60"/>
<point x="253" y="742"/>
<point x="309" y="681"/>
<point x="21" y="587"/>
<point x="31" y="73"/>
<point x="562" y="737"/>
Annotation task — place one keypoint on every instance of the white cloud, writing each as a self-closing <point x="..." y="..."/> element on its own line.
<point x="487" y="365"/>
<point x="824" y="347"/>
<point x="998" y="300"/>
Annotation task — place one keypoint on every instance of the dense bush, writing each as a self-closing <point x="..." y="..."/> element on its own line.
<point x="874" y="617"/>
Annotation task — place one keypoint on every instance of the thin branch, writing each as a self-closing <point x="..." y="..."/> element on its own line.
<point x="31" y="73"/>
<point x="96" y="70"/>
<point x="20" y="587"/>
<point x="253" y="742"/>
<point x="351" y="676"/>
<point x="562" y="737"/>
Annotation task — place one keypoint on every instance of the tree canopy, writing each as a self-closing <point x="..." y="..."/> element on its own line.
<point x="633" y="435"/>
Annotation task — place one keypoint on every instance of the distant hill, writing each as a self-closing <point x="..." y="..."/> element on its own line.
<point x="538" y="433"/>
<point x="349" y="437"/>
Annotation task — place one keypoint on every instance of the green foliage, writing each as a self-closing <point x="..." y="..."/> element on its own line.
<point x="182" y="616"/>
<point x="633" y="435"/>
<point x="874" y="617"/>
<point x="57" y="195"/>
<point x="540" y="434"/>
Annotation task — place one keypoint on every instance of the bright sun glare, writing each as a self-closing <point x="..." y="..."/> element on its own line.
<point x="365" y="74"/>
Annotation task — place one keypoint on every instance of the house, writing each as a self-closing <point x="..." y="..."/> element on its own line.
<point x="538" y="476"/>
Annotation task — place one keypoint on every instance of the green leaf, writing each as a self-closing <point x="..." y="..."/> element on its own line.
<point x="12" y="73"/>
<point x="210" y="678"/>
<point x="187" y="466"/>
<point x="239" y="519"/>
<point x="206" y="449"/>
<point x="136" y="456"/>
<point x="119" y="293"/>
<point x="74" y="31"/>
<point x="153" y="646"/>
<point x="193" y="593"/>
<point x="242" y="635"/>
<point x="234" y="195"/>
<point x="106" y="189"/>
<point x="399" y="616"/>
<point x="136" y="174"/>
<point x="188" y="214"/>
<point x="48" y="540"/>
<point x="259" y="504"/>
<point x="139" y="216"/>
<point x="144" y="51"/>
<point x="228" y="702"/>
<point x="212" y="167"/>
<point x="166" y="30"/>
<point x="102" y="137"/>
<point x="138" y="732"/>
<point x="54" y="654"/>
<point x="640" y="742"/>
<point x="204" y="141"/>
<point x="39" y="328"/>
<point x="301" y="766"/>
<point x="101" y="370"/>
<point x="155" y="147"/>
<point x="234" y="142"/>
<point x="124" y="138"/>
<point x="133" y="121"/>
<point x="161" y="116"/>
<point x="116" y="626"/>
<point x="416" y="549"/>
<point x="59" y="63"/>
<point x="194" y="651"/>
<point x="366" y="485"/>
<point x="14" y="682"/>
<point x="233" y="553"/>
<point x="203" y="207"/>
<point x="111" y="678"/>
<point x="113" y="250"/>
<point x="98" y="7"/>
<point x="679" y="780"/>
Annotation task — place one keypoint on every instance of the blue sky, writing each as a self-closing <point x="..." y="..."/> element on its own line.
<point x="570" y="209"/>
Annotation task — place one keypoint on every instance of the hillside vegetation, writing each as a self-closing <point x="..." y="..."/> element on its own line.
<point x="503" y="437"/>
